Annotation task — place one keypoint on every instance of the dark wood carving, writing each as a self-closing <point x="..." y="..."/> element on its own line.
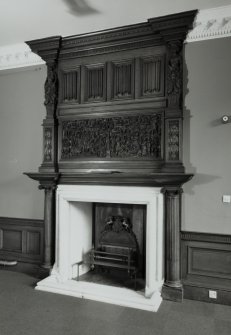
<point x="47" y="144"/>
<point x="174" y="74"/>
<point x="173" y="140"/>
<point x="51" y="85"/>
<point x="118" y="137"/>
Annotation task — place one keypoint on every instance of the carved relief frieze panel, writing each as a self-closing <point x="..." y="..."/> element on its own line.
<point x="152" y="76"/>
<point x="124" y="137"/>
<point x="70" y="86"/>
<point x="95" y="82"/>
<point x="123" y="80"/>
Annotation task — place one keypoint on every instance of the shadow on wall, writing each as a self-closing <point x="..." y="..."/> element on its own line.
<point x="199" y="178"/>
<point x="186" y="121"/>
<point x="80" y="7"/>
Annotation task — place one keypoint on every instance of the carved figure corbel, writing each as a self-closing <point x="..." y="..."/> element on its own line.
<point x="174" y="73"/>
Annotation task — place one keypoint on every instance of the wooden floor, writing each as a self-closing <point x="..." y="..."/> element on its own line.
<point x="25" y="311"/>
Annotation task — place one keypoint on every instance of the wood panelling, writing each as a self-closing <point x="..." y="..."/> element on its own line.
<point x="206" y="265"/>
<point x="21" y="239"/>
<point x="70" y="86"/>
<point x="95" y="83"/>
<point x="152" y="76"/>
<point x="123" y="80"/>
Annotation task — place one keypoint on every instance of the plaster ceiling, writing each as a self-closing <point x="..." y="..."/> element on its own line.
<point x="22" y="20"/>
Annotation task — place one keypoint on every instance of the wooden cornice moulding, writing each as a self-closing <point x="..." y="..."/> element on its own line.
<point x="48" y="180"/>
<point x="131" y="179"/>
<point x="140" y="35"/>
<point x="173" y="26"/>
<point x="211" y="23"/>
<point x="18" y="56"/>
<point x="47" y="48"/>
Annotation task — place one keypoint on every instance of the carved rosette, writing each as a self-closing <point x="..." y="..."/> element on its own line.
<point x="175" y="74"/>
<point x="118" y="137"/>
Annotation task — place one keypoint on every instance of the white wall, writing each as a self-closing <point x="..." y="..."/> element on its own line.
<point x="32" y="19"/>
<point x="21" y="115"/>
<point x="207" y="142"/>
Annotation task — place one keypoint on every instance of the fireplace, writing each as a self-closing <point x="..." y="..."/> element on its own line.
<point x="113" y="135"/>
<point x="74" y="240"/>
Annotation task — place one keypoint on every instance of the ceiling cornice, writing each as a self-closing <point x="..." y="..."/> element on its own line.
<point x="18" y="56"/>
<point x="210" y="24"/>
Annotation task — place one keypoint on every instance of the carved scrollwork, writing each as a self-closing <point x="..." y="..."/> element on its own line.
<point x="174" y="74"/>
<point x="51" y="86"/>
<point x="118" y="137"/>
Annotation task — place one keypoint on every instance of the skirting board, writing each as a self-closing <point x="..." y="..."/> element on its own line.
<point x="202" y="294"/>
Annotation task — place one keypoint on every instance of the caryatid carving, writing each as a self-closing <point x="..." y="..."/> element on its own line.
<point x="51" y="86"/>
<point x="174" y="74"/>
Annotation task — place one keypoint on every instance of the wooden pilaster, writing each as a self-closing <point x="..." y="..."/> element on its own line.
<point x="172" y="289"/>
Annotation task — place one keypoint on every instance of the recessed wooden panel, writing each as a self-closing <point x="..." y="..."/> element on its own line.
<point x="21" y="239"/>
<point x="123" y="80"/>
<point x="206" y="260"/>
<point x="95" y="83"/>
<point x="70" y="86"/>
<point x="33" y="243"/>
<point x="152" y="76"/>
<point x="12" y="240"/>
<point x="209" y="262"/>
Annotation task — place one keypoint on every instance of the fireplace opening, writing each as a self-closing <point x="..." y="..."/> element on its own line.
<point x="82" y="213"/>
<point x="117" y="256"/>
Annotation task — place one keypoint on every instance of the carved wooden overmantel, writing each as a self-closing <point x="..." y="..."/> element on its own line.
<point x="114" y="116"/>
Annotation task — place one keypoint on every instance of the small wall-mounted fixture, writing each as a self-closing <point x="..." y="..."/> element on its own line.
<point x="226" y="119"/>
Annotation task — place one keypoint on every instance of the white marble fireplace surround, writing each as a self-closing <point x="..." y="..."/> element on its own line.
<point x="74" y="239"/>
